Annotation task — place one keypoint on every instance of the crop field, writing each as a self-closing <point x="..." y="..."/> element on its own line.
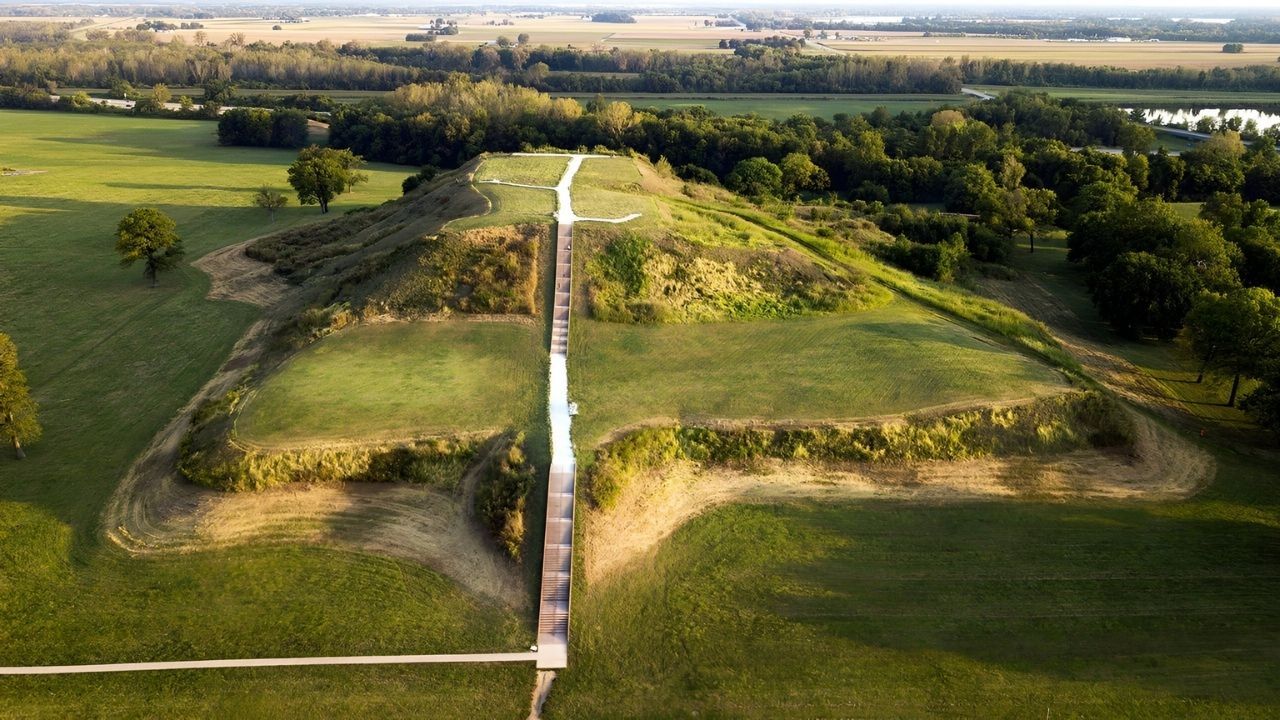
<point x="402" y="380"/>
<point x="968" y="609"/>
<point x="781" y="106"/>
<point x="196" y="93"/>
<point x="892" y="359"/>
<point x="1134" y="55"/>
<point x="671" y="32"/>
<point x="111" y="360"/>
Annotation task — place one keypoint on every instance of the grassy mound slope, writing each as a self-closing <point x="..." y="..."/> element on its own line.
<point x="1064" y="422"/>
<point x="682" y="263"/>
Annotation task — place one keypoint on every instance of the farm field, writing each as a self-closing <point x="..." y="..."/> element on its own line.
<point x="781" y="106"/>
<point x="673" y="32"/>
<point x="401" y="380"/>
<point x="196" y="93"/>
<point x="892" y="359"/>
<point x="110" y="361"/>
<point x="900" y="609"/>
<point x="1135" y="55"/>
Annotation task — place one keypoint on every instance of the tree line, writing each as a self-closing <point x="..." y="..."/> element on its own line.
<point x="140" y="59"/>
<point x="1254" y="30"/>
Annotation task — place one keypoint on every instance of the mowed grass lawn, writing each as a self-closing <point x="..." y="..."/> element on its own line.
<point x="510" y="206"/>
<point x="110" y="361"/>
<point x="402" y="380"/>
<point x="893" y="359"/>
<point x="975" y="609"/>
<point x="528" y="170"/>
<point x="609" y="188"/>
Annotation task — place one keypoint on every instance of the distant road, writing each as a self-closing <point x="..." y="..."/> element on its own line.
<point x="128" y="104"/>
<point x="977" y="93"/>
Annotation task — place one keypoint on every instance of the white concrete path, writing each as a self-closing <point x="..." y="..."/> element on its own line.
<point x="557" y="549"/>
<point x="270" y="662"/>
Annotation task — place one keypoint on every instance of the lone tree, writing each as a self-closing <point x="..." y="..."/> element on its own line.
<point x="321" y="174"/>
<point x="269" y="199"/>
<point x="17" y="410"/>
<point x="151" y="236"/>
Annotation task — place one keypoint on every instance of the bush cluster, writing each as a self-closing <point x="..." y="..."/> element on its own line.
<point x="940" y="261"/>
<point x="485" y="270"/>
<point x="635" y="278"/>
<point x="1048" y="425"/>
<point x="211" y="457"/>
<point x="502" y="494"/>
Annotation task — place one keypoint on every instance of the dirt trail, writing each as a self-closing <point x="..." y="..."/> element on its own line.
<point x="153" y="510"/>
<point x="236" y="276"/>
<point x="1161" y="466"/>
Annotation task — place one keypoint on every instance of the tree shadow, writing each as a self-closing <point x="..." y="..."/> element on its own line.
<point x="1075" y="592"/>
<point x="164" y="186"/>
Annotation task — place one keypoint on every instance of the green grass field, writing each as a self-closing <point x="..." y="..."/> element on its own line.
<point x="545" y="171"/>
<point x="609" y="188"/>
<point x="110" y="361"/>
<point x="972" y="609"/>
<point x="510" y="206"/>
<point x="892" y="359"/>
<point x="781" y="106"/>
<point x="402" y="380"/>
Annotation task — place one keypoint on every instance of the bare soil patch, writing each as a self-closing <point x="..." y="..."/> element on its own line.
<point x="236" y="276"/>
<point x="1160" y="466"/>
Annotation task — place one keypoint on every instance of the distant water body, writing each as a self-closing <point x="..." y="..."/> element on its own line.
<point x="1262" y="119"/>
<point x="872" y="19"/>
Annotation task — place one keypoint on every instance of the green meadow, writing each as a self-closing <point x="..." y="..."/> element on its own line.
<point x="892" y="359"/>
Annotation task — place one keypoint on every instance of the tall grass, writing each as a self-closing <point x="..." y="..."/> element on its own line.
<point x="1054" y="424"/>
<point x="1019" y="329"/>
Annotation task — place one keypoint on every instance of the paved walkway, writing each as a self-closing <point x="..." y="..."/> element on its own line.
<point x="557" y="548"/>
<point x="270" y="662"/>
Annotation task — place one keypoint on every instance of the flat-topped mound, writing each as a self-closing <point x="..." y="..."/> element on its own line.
<point x="892" y="359"/>
<point x="400" y="380"/>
